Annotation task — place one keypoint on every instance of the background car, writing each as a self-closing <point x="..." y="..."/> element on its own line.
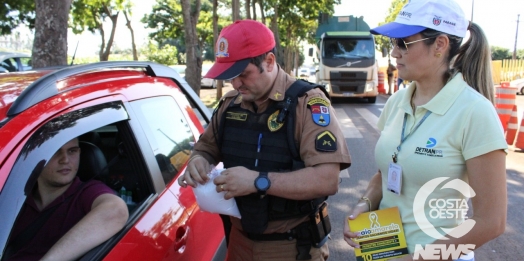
<point x="519" y="84"/>
<point x="207" y="82"/>
<point x="14" y="62"/>
<point x="140" y="120"/>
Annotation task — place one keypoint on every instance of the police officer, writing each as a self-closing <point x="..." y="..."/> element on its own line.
<point x="282" y="149"/>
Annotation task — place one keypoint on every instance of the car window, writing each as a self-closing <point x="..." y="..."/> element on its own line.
<point x="26" y="63"/>
<point x="168" y="132"/>
<point x="10" y="64"/>
<point x="43" y="142"/>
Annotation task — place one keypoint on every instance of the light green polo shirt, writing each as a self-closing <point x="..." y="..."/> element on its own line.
<point x="462" y="125"/>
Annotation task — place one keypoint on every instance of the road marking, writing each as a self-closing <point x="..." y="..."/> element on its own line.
<point x="348" y="128"/>
<point x="369" y="117"/>
<point x="344" y="174"/>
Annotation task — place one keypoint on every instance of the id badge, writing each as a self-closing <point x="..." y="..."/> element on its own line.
<point x="394" y="178"/>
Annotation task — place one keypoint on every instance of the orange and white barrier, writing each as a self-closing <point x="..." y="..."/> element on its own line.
<point x="504" y="101"/>
<point x="513" y="125"/>
<point x="519" y="143"/>
<point x="380" y="87"/>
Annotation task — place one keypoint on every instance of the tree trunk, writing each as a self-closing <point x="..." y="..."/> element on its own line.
<point x="247" y="5"/>
<point x="133" y="44"/>
<point x="236" y="9"/>
<point x="220" y="83"/>
<point x="262" y="14"/>
<point x="107" y="51"/>
<point x="50" y="42"/>
<point x="274" y="28"/>
<point x="254" y="4"/>
<point x="193" y="56"/>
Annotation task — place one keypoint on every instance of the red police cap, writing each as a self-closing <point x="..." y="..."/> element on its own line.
<point x="236" y="45"/>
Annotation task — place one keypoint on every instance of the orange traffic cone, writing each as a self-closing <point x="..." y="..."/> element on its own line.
<point x="519" y="143"/>
<point x="512" y="126"/>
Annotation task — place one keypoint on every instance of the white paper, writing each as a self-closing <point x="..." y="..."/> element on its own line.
<point x="212" y="201"/>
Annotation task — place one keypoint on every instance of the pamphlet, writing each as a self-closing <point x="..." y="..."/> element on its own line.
<point x="381" y="235"/>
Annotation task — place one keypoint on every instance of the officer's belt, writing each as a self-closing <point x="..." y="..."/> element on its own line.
<point x="290" y="235"/>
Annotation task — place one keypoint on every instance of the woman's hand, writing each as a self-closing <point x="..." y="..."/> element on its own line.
<point x="361" y="207"/>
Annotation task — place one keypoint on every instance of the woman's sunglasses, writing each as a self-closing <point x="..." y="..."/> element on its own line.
<point x="402" y="45"/>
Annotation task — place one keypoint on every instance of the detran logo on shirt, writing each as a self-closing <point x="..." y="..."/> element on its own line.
<point x="442" y="208"/>
<point x="429" y="149"/>
<point x="432" y="142"/>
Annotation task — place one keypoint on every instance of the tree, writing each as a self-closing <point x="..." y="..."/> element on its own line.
<point x="91" y="14"/>
<point x="16" y="12"/>
<point x="127" y="9"/>
<point x="500" y="53"/>
<point x="383" y="42"/>
<point x="50" y="43"/>
<point x="190" y="14"/>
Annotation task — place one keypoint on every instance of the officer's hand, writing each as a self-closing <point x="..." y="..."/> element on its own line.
<point x="236" y="181"/>
<point x="196" y="172"/>
<point x="348" y="235"/>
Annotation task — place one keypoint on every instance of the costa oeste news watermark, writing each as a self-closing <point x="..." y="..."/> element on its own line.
<point x="447" y="208"/>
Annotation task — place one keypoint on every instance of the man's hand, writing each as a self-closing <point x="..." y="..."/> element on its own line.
<point x="361" y="207"/>
<point x="236" y="181"/>
<point x="196" y="172"/>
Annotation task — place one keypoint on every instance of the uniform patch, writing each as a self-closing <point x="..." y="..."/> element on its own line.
<point x="272" y="123"/>
<point x="236" y="116"/>
<point x="326" y="141"/>
<point x="319" y="111"/>
<point x="222" y="46"/>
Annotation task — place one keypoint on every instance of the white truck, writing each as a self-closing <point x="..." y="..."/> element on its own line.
<point x="345" y="50"/>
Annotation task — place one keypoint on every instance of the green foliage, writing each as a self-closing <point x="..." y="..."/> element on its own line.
<point x="499" y="53"/>
<point x="16" y="12"/>
<point x="166" y="21"/>
<point x="383" y="41"/>
<point x="167" y="54"/>
<point x="90" y="14"/>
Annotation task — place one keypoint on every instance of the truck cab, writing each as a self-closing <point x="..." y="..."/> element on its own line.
<point x="346" y="55"/>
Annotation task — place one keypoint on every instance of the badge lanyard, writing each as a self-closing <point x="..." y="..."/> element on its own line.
<point x="403" y="138"/>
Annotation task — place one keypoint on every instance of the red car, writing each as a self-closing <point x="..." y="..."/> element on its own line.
<point x="137" y="123"/>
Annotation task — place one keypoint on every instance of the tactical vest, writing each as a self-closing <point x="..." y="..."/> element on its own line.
<point x="265" y="142"/>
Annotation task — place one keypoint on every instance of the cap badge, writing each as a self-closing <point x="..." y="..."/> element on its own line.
<point x="222" y="46"/>
<point x="437" y="20"/>
<point x="272" y="123"/>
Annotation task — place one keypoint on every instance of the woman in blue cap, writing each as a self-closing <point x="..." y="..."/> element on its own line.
<point x="442" y="134"/>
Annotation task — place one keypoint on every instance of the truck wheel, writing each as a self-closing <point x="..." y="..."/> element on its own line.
<point x="372" y="99"/>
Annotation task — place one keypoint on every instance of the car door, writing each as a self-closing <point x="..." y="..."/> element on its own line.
<point x="179" y="234"/>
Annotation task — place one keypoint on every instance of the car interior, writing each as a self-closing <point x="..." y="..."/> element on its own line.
<point x="106" y="157"/>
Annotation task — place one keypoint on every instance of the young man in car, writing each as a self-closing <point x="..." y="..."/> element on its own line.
<point x="72" y="216"/>
<point x="279" y="192"/>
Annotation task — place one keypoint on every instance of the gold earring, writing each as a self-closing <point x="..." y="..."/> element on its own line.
<point x="438" y="55"/>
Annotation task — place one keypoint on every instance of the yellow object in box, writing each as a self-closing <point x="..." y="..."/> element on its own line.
<point x="381" y="236"/>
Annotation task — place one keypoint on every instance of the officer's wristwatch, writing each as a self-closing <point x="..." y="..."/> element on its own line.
<point x="262" y="183"/>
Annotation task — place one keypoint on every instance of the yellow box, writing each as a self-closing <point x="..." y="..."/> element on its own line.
<point x="381" y="235"/>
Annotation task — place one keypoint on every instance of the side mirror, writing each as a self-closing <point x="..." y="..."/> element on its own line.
<point x="384" y="52"/>
<point x="310" y="53"/>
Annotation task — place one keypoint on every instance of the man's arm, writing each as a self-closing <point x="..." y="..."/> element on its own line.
<point x="107" y="216"/>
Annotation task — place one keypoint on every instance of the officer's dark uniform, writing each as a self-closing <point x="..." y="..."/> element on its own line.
<point x="320" y="140"/>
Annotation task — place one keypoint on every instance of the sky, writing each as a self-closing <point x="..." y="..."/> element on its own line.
<point x="498" y="19"/>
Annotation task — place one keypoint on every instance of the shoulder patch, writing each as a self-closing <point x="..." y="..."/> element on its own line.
<point x="319" y="111"/>
<point x="326" y="141"/>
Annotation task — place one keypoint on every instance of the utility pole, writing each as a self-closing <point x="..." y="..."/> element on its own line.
<point x="516" y="34"/>
<point x="472" y="7"/>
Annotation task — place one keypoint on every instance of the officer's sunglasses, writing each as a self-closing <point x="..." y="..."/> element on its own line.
<point x="402" y="45"/>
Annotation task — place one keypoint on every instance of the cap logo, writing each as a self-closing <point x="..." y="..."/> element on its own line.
<point x="437" y="20"/>
<point x="405" y="14"/>
<point x="222" y="46"/>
